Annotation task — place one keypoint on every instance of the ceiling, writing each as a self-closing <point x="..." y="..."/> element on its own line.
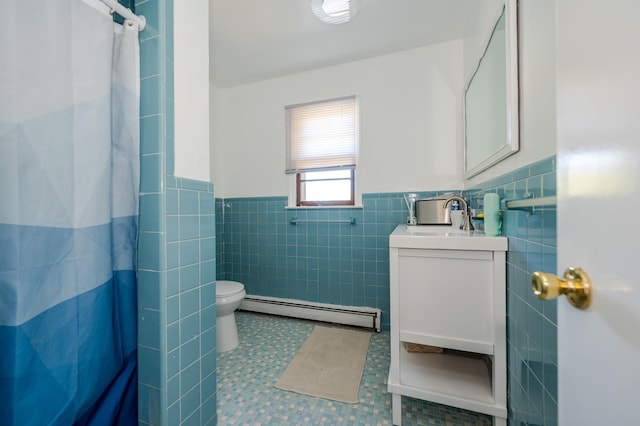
<point x="252" y="40"/>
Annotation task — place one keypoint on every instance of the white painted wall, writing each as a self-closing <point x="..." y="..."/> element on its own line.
<point x="537" y="86"/>
<point x="411" y="113"/>
<point x="191" y="78"/>
<point x="410" y="123"/>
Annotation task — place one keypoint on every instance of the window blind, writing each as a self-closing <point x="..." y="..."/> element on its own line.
<point x="322" y="135"/>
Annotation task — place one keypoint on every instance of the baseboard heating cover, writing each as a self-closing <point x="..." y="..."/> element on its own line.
<point x="360" y="316"/>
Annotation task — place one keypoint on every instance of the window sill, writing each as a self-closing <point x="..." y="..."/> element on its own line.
<point x="357" y="206"/>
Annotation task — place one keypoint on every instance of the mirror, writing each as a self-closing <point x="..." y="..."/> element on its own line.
<point x="491" y="98"/>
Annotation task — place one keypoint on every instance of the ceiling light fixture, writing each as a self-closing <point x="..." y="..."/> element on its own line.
<point x="334" y="11"/>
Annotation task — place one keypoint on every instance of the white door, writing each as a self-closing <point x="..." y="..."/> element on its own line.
<point x="598" y="86"/>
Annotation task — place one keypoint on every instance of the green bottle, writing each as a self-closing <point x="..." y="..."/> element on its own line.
<point x="492" y="219"/>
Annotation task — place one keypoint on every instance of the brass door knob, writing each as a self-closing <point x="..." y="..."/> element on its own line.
<point x="575" y="285"/>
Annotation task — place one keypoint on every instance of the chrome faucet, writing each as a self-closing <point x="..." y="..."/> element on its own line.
<point x="466" y="224"/>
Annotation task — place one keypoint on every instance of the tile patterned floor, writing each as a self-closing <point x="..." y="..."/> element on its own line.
<point x="246" y="376"/>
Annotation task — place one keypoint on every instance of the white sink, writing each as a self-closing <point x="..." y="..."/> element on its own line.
<point x="435" y="230"/>
<point x="444" y="237"/>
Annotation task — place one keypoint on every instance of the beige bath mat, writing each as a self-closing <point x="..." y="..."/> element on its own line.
<point x="329" y="365"/>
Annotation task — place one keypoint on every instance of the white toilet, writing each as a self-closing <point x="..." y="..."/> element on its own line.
<point x="229" y="295"/>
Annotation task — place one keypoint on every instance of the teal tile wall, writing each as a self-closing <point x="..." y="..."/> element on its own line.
<point x="221" y="262"/>
<point x="531" y="323"/>
<point x="152" y="274"/>
<point x="320" y="260"/>
<point x="349" y="264"/>
<point x="190" y="302"/>
<point x="176" y="265"/>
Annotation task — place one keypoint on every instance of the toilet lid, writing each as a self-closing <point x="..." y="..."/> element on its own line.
<point x="228" y="288"/>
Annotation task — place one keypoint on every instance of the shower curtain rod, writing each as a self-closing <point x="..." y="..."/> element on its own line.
<point x="125" y="13"/>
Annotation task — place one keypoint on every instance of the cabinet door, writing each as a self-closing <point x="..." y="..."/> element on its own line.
<point x="446" y="298"/>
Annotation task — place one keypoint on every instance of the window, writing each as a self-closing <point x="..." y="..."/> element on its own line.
<point x="326" y="188"/>
<point x="322" y="150"/>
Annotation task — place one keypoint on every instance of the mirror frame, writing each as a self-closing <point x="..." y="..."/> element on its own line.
<point x="512" y="144"/>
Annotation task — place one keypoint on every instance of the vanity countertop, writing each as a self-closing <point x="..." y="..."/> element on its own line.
<point x="444" y="238"/>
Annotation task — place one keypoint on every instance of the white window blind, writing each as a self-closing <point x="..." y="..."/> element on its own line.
<point x="322" y="135"/>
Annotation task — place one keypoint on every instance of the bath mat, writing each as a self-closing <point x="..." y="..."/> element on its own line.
<point x="329" y="365"/>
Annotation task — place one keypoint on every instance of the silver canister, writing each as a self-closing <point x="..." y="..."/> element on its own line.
<point x="431" y="211"/>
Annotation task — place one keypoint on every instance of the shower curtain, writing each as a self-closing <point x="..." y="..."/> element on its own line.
<point x="69" y="179"/>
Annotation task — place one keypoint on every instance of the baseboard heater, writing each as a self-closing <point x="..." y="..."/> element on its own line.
<point x="360" y="316"/>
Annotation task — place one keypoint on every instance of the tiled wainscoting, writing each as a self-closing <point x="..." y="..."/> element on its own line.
<point x="324" y="258"/>
<point x="531" y="323"/>
<point x="176" y="313"/>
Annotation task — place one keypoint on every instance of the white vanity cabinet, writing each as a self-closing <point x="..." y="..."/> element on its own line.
<point x="448" y="291"/>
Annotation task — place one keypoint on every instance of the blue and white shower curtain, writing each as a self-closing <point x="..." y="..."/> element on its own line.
<point x="69" y="179"/>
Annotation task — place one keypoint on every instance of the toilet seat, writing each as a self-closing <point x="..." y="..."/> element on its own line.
<point x="228" y="288"/>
